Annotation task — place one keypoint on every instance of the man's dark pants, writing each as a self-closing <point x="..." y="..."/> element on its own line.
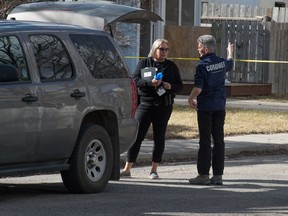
<point x="211" y="125"/>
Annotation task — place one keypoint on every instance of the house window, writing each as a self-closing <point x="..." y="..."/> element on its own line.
<point x="187" y="13"/>
<point x="180" y="13"/>
<point x="172" y="13"/>
<point x="280" y="4"/>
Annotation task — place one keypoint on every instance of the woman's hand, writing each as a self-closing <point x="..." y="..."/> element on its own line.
<point x="167" y="85"/>
<point x="155" y="82"/>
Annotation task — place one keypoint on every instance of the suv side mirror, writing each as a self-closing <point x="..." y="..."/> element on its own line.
<point x="8" y="73"/>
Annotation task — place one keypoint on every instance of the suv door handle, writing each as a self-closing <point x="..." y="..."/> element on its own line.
<point x="29" y="98"/>
<point x="77" y="94"/>
<point x="118" y="90"/>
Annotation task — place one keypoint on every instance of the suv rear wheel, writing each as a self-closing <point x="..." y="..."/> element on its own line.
<point x="91" y="161"/>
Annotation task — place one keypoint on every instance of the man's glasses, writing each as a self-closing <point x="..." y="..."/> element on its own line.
<point x="163" y="49"/>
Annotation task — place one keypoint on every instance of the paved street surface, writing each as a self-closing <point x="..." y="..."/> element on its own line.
<point x="252" y="186"/>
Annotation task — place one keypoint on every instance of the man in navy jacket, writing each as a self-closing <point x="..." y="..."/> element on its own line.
<point x="209" y="89"/>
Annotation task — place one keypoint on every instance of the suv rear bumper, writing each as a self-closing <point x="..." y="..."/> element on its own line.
<point x="128" y="130"/>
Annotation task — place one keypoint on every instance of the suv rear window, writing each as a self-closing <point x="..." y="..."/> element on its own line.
<point x="51" y="57"/>
<point x="100" y="56"/>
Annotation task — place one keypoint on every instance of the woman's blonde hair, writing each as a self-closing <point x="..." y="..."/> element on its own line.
<point x="157" y="43"/>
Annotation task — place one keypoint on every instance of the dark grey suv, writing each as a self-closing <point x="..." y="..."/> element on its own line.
<point x="67" y="104"/>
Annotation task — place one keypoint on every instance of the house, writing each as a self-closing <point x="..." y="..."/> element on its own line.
<point x="256" y="29"/>
<point x="183" y="24"/>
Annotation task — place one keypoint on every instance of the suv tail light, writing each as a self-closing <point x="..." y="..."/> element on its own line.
<point x="134" y="98"/>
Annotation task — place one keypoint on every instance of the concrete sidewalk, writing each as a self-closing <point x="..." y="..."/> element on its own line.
<point x="185" y="150"/>
<point x="243" y="103"/>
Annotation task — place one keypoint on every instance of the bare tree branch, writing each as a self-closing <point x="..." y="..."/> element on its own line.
<point x="7" y="5"/>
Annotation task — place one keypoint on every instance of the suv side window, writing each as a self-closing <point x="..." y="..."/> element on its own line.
<point x="51" y="57"/>
<point x="11" y="53"/>
<point x="100" y="56"/>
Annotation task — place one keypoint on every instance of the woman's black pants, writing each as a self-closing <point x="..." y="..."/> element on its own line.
<point x="159" y="117"/>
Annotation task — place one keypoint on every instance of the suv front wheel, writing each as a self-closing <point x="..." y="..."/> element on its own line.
<point x="91" y="161"/>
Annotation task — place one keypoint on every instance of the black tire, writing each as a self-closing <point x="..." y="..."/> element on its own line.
<point x="91" y="161"/>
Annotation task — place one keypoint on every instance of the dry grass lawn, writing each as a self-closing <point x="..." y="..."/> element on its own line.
<point x="183" y="122"/>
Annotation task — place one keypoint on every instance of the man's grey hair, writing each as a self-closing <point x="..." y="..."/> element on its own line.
<point x="157" y="43"/>
<point x="208" y="41"/>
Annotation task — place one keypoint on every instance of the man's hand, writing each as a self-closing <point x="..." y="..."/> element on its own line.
<point x="192" y="102"/>
<point x="230" y="49"/>
<point x="194" y="93"/>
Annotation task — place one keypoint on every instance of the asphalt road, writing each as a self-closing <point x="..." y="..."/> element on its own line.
<point x="252" y="186"/>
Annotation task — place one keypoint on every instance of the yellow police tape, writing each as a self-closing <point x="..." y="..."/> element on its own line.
<point x="236" y="60"/>
<point x="140" y="57"/>
<point x="262" y="61"/>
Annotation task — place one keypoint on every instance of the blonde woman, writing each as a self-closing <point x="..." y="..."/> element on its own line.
<point x="157" y="80"/>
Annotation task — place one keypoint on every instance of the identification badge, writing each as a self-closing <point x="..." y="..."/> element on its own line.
<point x="161" y="91"/>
